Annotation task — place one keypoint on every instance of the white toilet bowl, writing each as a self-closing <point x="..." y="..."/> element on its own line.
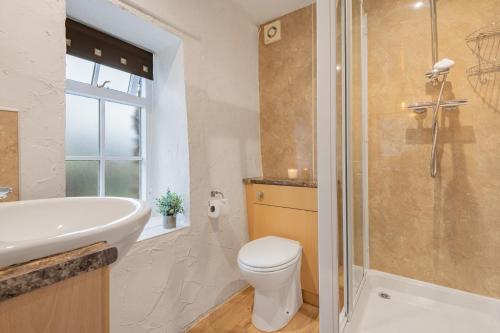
<point x="272" y="266"/>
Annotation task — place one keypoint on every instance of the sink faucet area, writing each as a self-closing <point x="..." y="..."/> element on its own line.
<point x="4" y="192"/>
<point x="55" y="260"/>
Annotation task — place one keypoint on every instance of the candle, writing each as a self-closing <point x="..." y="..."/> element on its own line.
<point x="293" y="173"/>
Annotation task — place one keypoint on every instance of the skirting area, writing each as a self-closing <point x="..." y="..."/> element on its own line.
<point x="393" y="304"/>
<point x="235" y="316"/>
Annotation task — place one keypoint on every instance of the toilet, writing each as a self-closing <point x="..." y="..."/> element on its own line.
<point x="272" y="266"/>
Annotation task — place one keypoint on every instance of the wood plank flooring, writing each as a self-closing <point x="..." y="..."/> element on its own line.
<point x="235" y="316"/>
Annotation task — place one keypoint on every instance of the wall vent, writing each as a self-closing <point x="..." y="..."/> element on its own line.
<point x="272" y="32"/>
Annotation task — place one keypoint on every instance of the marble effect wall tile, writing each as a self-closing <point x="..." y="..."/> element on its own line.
<point x="443" y="230"/>
<point x="287" y="77"/>
<point x="9" y="153"/>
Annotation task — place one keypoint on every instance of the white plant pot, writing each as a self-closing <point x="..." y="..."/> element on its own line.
<point x="170" y="221"/>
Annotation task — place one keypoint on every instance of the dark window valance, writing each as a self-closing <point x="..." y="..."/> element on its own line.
<point x="88" y="43"/>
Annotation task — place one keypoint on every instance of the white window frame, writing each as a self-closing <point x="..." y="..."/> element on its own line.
<point x="104" y="95"/>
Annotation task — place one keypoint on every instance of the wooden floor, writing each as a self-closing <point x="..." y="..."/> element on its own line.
<point x="235" y="316"/>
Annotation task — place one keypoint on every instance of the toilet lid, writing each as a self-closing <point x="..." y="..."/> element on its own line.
<point x="270" y="251"/>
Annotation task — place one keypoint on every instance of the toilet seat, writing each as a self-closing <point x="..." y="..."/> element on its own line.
<point x="269" y="254"/>
<point x="268" y="269"/>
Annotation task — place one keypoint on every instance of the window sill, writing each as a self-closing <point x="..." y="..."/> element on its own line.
<point x="154" y="228"/>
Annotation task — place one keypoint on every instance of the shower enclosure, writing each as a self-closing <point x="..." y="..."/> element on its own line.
<point x="417" y="164"/>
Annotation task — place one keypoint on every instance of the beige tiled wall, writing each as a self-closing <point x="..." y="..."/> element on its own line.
<point x="287" y="75"/>
<point x="444" y="230"/>
<point x="9" y="153"/>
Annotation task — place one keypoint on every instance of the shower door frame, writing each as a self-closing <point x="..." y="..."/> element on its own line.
<point x="327" y="173"/>
<point x="327" y="170"/>
<point x="351" y="295"/>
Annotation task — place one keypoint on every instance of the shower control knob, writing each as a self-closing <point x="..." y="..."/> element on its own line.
<point x="260" y="195"/>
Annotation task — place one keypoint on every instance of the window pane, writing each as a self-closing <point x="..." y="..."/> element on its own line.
<point x="82" y="126"/>
<point x="82" y="178"/>
<point x="119" y="80"/>
<point x="123" y="179"/>
<point x="79" y="69"/>
<point x="123" y="130"/>
<point x="137" y="86"/>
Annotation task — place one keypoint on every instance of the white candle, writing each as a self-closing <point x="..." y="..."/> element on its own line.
<point x="293" y="173"/>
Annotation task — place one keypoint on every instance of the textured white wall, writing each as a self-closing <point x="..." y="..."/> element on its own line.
<point x="168" y="152"/>
<point x="32" y="48"/>
<point x="167" y="282"/>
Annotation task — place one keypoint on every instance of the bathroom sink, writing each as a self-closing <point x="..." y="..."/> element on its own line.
<point x="38" y="228"/>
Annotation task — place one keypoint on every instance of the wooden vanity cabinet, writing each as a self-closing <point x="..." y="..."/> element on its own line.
<point x="77" y="305"/>
<point x="64" y="293"/>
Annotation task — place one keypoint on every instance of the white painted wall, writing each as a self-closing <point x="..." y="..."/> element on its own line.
<point x="262" y="11"/>
<point x="168" y="153"/>
<point x="167" y="282"/>
<point x="32" y="74"/>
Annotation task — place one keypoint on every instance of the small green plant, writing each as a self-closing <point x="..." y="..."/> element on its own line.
<point x="170" y="204"/>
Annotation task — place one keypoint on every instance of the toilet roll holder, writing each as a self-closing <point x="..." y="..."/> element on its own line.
<point x="214" y="194"/>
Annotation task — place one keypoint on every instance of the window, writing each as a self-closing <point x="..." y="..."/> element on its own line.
<point x="105" y="130"/>
<point x="108" y="122"/>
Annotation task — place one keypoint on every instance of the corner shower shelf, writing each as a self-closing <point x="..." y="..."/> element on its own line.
<point x="483" y="43"/>
<point x="477" y="70"/>
<point x="423" y="106"/>
<point x="485" y="32"/>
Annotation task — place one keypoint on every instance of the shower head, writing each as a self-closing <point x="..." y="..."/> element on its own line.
<point x="441" y="67"/>
<point x="444" y="64"/>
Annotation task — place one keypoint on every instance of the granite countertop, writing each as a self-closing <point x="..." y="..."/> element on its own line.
<point x="281" y="182"/>
<point x="23" y="278"/>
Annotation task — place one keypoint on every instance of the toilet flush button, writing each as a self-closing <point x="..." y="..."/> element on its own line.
<point x="260" y="195"/>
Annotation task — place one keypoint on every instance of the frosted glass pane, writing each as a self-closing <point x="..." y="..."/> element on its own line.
<point x="82" y="126"/>
<point x="82" y="178"/>
<point x="78" y="69"/>
<point x="123" y="179"/>
<point x="123" y="130"/>
<point x="119" y="80"/>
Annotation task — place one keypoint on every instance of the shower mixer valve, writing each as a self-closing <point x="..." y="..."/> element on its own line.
<point x="440" y="68"/>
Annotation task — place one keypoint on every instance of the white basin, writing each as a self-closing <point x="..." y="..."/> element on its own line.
<point x="39" y="228"/>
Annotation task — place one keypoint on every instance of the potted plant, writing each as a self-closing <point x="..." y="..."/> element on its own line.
<point x="169" y="205"/>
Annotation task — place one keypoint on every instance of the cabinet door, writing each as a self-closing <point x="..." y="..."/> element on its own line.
<point x="76" y="305"/>
<point x="299" y="225"/>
